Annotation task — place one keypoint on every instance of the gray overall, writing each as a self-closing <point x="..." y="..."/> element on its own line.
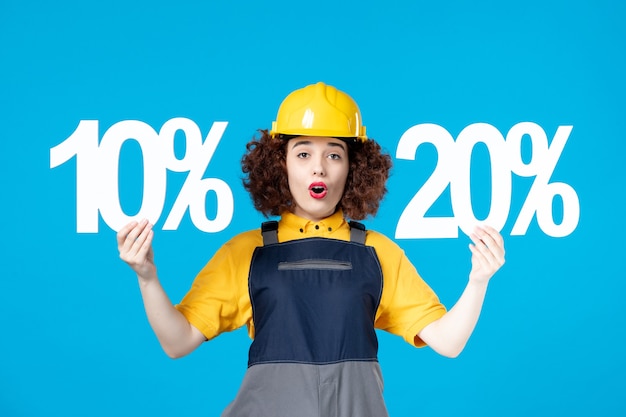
<point x="315" y="348"/>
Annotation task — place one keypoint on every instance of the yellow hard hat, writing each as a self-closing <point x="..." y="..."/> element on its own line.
<point x="319" y="110"/>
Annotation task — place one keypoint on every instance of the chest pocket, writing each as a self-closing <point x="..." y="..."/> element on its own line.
<point x="320" y="264"/>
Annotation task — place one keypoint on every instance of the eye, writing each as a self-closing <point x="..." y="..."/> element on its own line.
<point x="334" y="156"/>
<point x="302" y="154"/>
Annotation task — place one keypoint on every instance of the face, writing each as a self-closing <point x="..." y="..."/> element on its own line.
<point x="317" y="169"/>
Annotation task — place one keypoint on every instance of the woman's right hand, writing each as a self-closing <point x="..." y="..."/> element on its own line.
<point x="176" y="335"/>
<point x="134" y="242"/>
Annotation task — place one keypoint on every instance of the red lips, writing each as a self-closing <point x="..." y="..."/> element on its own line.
<point x="318" y="190"/>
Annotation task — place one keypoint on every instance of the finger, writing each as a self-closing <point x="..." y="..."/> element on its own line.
<point x="146" y="244"/>
<point x="487" y="254"/>
<point x="483" y="258"/>
<point x="133" y="235"/>
<point x="123" y="232"/>
<point x="480" y="238"/>
<point x="492" y="240"/>
<point x="494" y="234"/>
<point x="143" y="236"/>
<point x="479" y="248"/>
<point x="477" y="256"/>
<point x="482" y="269"/>
<point x="136" y="250"/>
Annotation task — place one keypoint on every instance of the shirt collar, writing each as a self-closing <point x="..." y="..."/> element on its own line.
<point x="308" y="228"/>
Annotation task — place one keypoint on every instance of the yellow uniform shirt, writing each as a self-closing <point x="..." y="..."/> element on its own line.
<point x="219" y="301"/>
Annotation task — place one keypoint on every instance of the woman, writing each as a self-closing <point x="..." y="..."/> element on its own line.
<point x="312" y="287"/>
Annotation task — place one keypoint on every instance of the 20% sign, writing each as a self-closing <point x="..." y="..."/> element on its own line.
<point x="453" y="169"/>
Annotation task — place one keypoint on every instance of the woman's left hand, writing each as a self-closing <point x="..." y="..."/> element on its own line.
<point x="487" y="253"/>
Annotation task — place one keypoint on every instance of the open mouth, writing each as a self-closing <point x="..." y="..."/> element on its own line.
<point x="318" y="190"/>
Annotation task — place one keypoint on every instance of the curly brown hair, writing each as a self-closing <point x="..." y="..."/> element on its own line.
<point x="265" y="179"/>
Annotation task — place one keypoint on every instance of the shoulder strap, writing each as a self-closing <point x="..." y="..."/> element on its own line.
<point x="269" y="230"/>
<point x="357" y="232"/>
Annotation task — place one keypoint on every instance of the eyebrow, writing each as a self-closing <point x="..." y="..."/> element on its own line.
<point x="308" y="142"/>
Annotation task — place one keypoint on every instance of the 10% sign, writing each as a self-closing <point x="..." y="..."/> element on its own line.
<point x="453" y="169"/>
<point x="97" y="173"/>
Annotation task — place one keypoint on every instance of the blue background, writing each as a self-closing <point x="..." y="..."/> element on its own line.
<point x="74" y="338"/>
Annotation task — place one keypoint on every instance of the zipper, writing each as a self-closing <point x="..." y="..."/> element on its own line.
<point x="323" y="264"/>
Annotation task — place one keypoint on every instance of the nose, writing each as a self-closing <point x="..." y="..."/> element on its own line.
<point x="318" y="167"/>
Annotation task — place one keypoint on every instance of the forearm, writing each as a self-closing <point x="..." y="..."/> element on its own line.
<point x="449" y="335"/>
<point x="176" y="336"/>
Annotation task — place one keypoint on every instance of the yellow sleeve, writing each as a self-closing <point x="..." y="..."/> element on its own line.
<point x="407" y="303"/>
<point x="218" y="300"/>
